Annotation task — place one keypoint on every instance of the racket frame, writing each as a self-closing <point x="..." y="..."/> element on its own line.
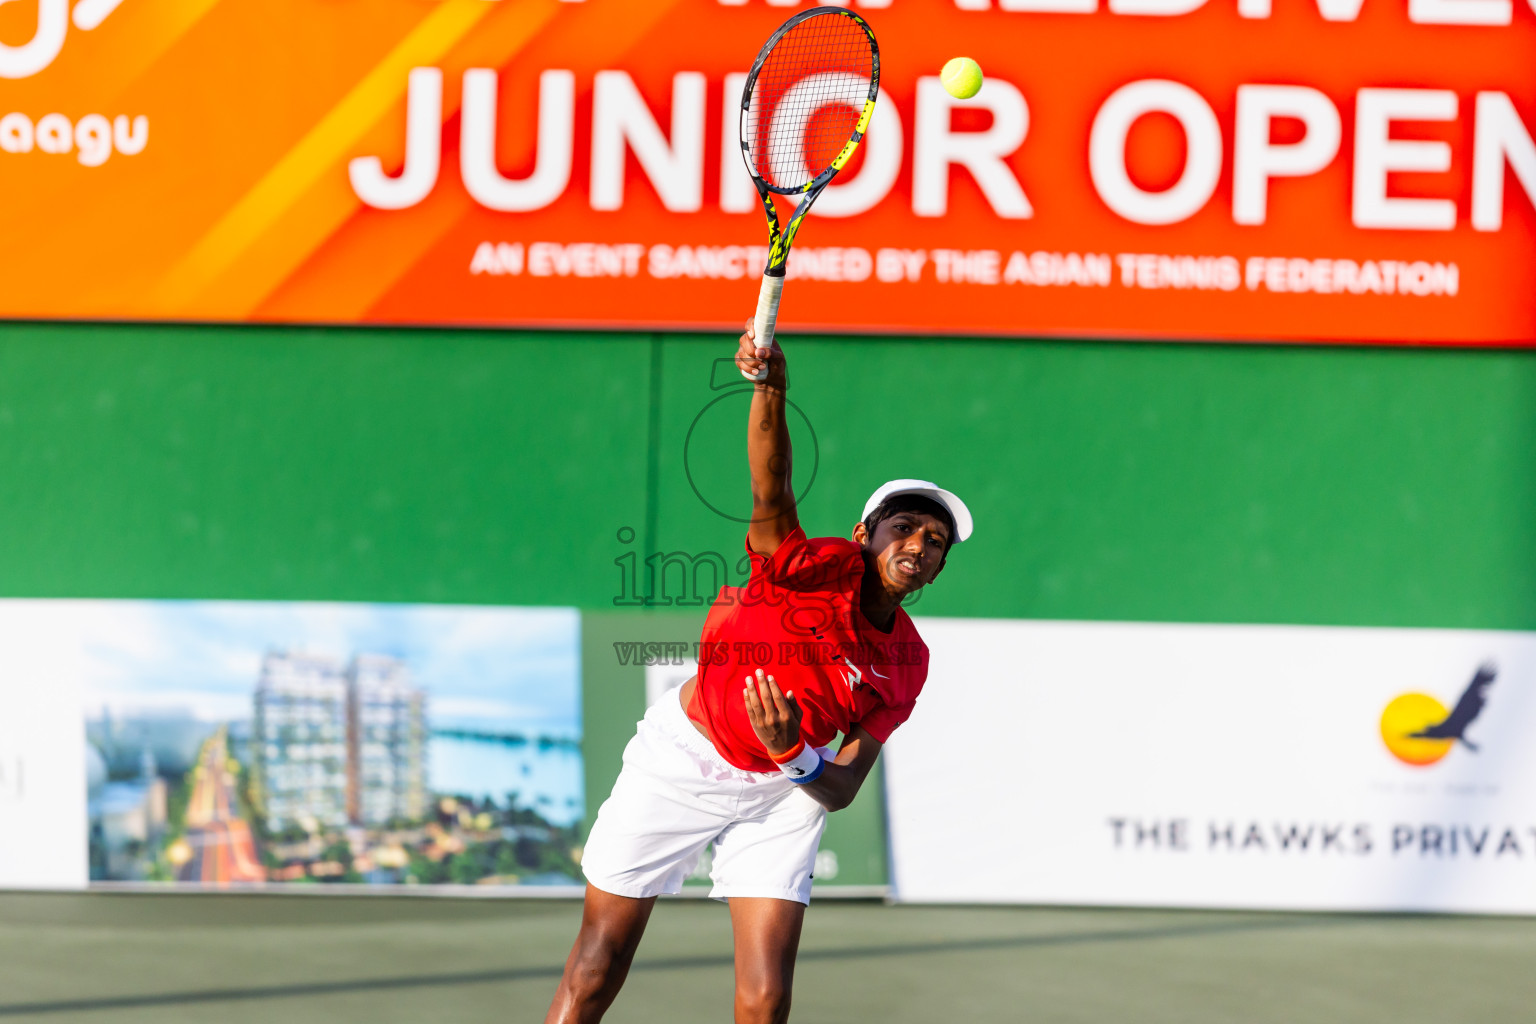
<point x="781" y="238"/>
<point x="778" y="253"/>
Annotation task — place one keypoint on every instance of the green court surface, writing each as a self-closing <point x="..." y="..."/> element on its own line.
<point x="130" y="958"/>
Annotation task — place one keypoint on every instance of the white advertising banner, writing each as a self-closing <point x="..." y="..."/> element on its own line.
<point x="227" y="744"/>
<point x="1219" y="766"/>
<point x="42" y="755"/>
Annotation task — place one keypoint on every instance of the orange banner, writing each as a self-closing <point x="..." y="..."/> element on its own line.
<point x="1326" y="170"/>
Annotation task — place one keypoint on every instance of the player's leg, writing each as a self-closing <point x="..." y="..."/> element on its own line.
<point x="611" y="927"/>
<point x="767" y="934"/>
<point x="664" y="809"/>
<point x="763" y="865"/>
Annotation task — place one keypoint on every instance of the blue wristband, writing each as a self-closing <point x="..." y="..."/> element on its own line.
<point x="813" y="776"/>
<point x="804" y="767"/>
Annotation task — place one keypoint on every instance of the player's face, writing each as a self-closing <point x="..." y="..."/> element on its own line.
<point x="908" y="550"/>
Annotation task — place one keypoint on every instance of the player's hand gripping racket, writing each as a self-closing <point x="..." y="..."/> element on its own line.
<point x="804" y="110"/>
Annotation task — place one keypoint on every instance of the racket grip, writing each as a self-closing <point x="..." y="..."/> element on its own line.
<point x="767" y="317"/>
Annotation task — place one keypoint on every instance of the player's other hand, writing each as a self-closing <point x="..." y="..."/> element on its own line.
<point x="775" y="715"/>
<point x="751" y="358"/>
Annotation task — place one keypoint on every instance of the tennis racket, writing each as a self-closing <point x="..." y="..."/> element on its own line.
<point x="804" y="110"/>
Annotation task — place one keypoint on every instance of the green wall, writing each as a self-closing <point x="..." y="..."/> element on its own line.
<point x="1174" y="482"/>
<point x="1109" y="481"/>
<point x="334" y="465"/>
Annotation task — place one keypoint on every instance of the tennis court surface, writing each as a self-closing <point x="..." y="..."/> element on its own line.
<point x="130" y="958"/>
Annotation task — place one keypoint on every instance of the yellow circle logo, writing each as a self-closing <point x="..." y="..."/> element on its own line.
<point x="1414" y="713"/>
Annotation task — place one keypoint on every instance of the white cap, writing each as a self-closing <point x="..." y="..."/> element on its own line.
<point x="953" y="505"/>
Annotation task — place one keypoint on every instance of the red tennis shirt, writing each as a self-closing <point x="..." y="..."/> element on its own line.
<point x="798" y="618"/>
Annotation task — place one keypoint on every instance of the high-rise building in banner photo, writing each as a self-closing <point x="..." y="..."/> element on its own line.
<point x="386" y="742"/>
<point x="338" y="744"/>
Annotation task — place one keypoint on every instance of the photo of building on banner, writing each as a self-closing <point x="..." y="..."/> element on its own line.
<point x="243" y="743"/>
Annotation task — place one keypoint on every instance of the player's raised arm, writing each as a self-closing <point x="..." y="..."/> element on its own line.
<point x="768" y="452"/>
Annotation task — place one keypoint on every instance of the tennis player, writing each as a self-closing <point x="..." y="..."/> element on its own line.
<point x="814" y="645"/>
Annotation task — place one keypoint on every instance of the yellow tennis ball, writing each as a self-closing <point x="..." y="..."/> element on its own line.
<point x="961" y="77"/>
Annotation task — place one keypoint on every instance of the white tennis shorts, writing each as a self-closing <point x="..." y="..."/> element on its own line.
<point x="676" y="795"/>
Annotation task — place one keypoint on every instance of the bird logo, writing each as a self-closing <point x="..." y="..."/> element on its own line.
<point x="1418" y="729"/>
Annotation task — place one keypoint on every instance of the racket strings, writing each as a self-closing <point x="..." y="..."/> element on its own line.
<point x="807" y="99"/>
